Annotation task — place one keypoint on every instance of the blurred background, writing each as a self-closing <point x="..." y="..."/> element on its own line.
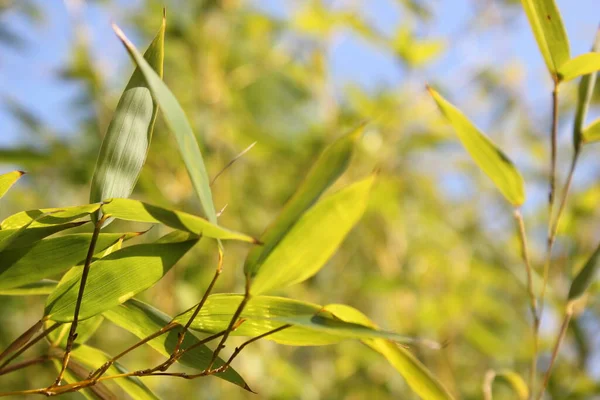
<point x="436" y="254"/>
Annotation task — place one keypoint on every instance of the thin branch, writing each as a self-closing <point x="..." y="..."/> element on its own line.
<point x="84" y="275"/>
<point x="488" y="380"/>
<point x="230" y="163"/>
<point x="39" y="337"/>
<point x="22" y="340"/>
<point x="24" y="364"/>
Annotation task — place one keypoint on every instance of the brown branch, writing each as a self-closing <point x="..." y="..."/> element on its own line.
<point x="39" y="337"/>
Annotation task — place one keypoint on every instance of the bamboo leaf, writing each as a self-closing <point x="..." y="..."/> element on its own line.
<point x="127" y="141"/>
<point x="133" y="210"/>
<point x="144" y="320"/>
<point x="9" y="179"/>
<point x="418" y="377"/>
<point x="591" y="133"/>
<point x="492" y="161"/>
<point x="584" y="64"/>
<point x="585" y="277"/>
<point x="312" y="240"/>
<point x="48" y="257"/>
<point x="85" y="330"/>
<point x="584" y="97"/>
<point x="327" y="169"/>
<point x="515" y="382"/>
<point x="55" y="216"/>
<point x="547" y="26"/>
<point x="45" y="286"/>
<point x="26" y="235"/>
<point x="117" y="277"/>
<point x="179" y="126"/>
<point x="311" y="325"/>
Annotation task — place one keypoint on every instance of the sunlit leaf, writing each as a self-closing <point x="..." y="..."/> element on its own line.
<point x="44" y="286"/>
<point x="584" y="97"/>
<point x="581" y="65"/>
<point x="591" y="133"/>
<point x="486" y="155"/>
<point x="143" y="320"/>
<point x="9" y="179"/>
<point x="331" y="164"/>
<point x="547" y="26"/>
<point x="418" y="377"/>
<point x="85" y="330"/>
<point x="56" y="216"/>
<point x="117" y="277"/>
<point x="125" y="146"/>
<point x="180" y="127"/>
<point x="586" y="276"/>
<point x="312" y="240"/>
<point x="48" y="257"/>
<point x="133" y="210"/>
<point x="26" y="235"/>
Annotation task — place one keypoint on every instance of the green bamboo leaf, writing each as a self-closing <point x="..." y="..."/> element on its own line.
<point x="584" y="64"/>
<point x="117" y="277"/>
<point x="312" y="240"/>
<point x="486" y="155"/>
<point x="327" y="169"/>
<point x="547" y="26"/>
<point x="311" y="325"/>
<point x="127" y="141"/>
<point x="585" y="277"/>
<point x="143" y="320"/>
<point x="55" y="216"/>
<point x="25" y="235"/>
<point x="584" y="97"/>
<point x="42" y="287"/>
<point x="93" y="358"/>
<point x="591" y="133"/>
<point x="418" y="377"/>
<point x="515" y="382"/>
<point x="9" y="179"/>
<point x="179" y="125"/>
<point x="48" y="257"/>
<point x="85" y="330"/>
<point x="133" y="210"/>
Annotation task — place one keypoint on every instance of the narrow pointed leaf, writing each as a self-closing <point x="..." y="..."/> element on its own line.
<point x="56" y="216"/>
<point x="492" y="161"/>
<point x="143" y="320"/>
<point x="48" y="257"/>
<point x="584" y="97"/>
<point x="418" y="377"/>
<point x="312" y="240"/>
<point x="549" y="31"/>
<point x="179" y="126"/>
<point x="133" y="210"/>
<point x="117" y="277"/>
<point x="327" y="169"/>
<point x="9" y="179"/>
<point x="581" y="65"/>
<point x="591" y="133"/>
<point x="127" y="141"/>
<point x="586" y="276"/>
<point x="11" y="238"/>
<point x="516" y="383"/>
<point x="42" y="287"/>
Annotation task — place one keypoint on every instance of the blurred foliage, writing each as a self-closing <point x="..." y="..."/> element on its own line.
<point x="436" y="254"/>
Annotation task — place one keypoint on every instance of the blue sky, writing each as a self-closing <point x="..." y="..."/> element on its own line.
<point x="27" y="75"/>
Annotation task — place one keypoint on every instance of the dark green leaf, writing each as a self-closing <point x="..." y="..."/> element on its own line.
<point x="585" y="277"/>
<point x="45" y="286"/>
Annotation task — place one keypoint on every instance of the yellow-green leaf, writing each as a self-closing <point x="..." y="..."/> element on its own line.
<point x="117" y="277"/>
<point x="133" y="210"/>
<point x="418" y="377"/>
<point x="584" y="97"/>
<point x="179" y="126"/>
<point x="514" y="380"/>
<point x="547" y="26"/>
<point x="591" y="133"/>
<point x="55" y="216"/>
<point x="9" y="179"/>
<point x="42" y="287"/>
<point x="492" y="161"/>
<point x="584" y="64"/>
<point x="143" y="320"/>
<point x="327" y="169"/>
<point x="312" y="240"/>
<point x="125" y="146"/>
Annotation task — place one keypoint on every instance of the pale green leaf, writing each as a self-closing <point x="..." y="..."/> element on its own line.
<point x="547" y="26"/>
<point x="9" y="179"/>
<point x="179" y="126"/>
<point x="143" y="320"/>
<point x="331" y="164"/>
<point x="127" y="141"/>
<point x="312" y="240"/>
<point x="133" y="210"/>
<point x="56" y="216"/>
<point x="591" y="133"/>
<point x="484" y="152"/>
<point x="117" y="277"/>
<point x="418" y="377"/>
<point x="584" y="64"/>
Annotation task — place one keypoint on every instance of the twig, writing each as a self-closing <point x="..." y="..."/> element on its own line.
<point x="84" y="275"/>
<point x="488" y="380"/>
<point x="230" y="163"/>
<point x="39" y="337"/>
<point x="22" y="340"/>
<point x="24" y="364"/>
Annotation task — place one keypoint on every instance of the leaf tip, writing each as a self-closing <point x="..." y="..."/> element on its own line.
<point x="21" y="173"/>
